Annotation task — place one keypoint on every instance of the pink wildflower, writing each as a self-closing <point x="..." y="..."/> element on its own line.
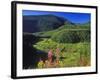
<point x="50" y="54"/>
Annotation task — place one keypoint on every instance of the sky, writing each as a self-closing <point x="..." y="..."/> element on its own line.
<point x="71" y="16"/>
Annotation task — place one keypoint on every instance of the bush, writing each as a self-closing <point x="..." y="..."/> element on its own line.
<point x="84" y="35"/>
<point x="66" y="36"/>
<point x="71" y="36"/>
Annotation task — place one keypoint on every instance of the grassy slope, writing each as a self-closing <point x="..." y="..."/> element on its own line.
<point x="64" y="27"/>
<point x="77" y="54"/>
<point x="70" y="52"/>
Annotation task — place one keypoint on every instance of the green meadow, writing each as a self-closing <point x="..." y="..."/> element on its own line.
<point x="73" y="43"/>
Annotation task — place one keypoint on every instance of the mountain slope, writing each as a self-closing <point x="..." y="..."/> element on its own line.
<point x="67" y="27"/>
<point x="41" y="23"/>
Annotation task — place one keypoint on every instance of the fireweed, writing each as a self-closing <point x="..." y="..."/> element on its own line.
<point x="50" y="63"/>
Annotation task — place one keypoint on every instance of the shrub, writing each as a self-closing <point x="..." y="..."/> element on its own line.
<point x="84" y="35"/>
<point x="71" y="36"/>
<point x="66" y="36"/>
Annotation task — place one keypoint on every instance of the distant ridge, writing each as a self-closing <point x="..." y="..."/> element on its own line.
<point x="40" y="23"/>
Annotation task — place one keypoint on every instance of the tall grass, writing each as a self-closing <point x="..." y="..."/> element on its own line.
<point x="71" y="54"/>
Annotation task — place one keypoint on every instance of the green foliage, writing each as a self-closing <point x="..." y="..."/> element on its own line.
<point x="70" y="53"/>
<point x="46" y="44"/>
<point x="73" y="42"/>
<point x="71" y="36"/>
<point x="68" y="27"/>
<point x="40" y="64"/>
<point x="84" y="35"/>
